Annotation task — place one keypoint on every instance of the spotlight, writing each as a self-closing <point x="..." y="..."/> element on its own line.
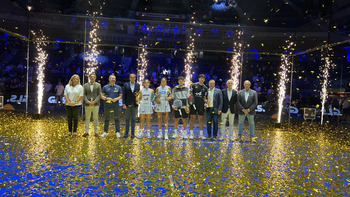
<point x="29" y="8"/>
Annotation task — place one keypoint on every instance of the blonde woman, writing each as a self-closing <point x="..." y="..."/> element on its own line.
<point x="163" y="107"/>
<point x="73" y="93"/>
<point x="146" y="110"/>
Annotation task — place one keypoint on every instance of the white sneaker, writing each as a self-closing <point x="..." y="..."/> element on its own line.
<point x="191" y="137"/>
<point x="175" y="135"/>
<point x="202" y="137"/>
<point x="104" y="134"/>
<point x="166" y="136"/>
<point x="117" y="135"/>
<point x="160" y="135"/>
<point x="221" y="138"/>
<point x="184" y="136"/>
<point x="140" y="135"/>
<point x="148" y="135"/>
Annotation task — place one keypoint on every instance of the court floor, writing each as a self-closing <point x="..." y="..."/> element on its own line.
<point x="36" y="158"/>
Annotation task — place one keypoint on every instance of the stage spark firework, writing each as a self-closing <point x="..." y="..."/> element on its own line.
<point x="190" y="58"/>
<point x="91" y="56"/>
<point x="92" y="53"/>
<point x="142" y="62"/>
<point x="284" y="77"/>
<point x="324" y="75"/>
<point x="41" y="60"/>
<point x="236" y="62"/>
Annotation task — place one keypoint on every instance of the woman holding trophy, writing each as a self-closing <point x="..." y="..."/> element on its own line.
<point x="163" y="107"/>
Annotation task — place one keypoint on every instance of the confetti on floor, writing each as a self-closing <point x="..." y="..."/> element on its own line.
<point x="36" y="158"/>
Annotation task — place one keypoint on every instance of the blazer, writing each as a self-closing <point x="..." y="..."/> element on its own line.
<point x="217" y="100"/>
<point x="229" y="104"/>
<point x="95" y="95"/>
<point x="250" y="104"/>
<point x="129" y="96"/>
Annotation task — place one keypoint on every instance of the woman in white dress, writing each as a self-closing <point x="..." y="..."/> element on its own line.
<point x="163" y="107"/>
<point x="146" y="109"/>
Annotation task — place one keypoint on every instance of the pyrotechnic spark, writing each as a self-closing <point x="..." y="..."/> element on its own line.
<point x="328" y="64"/>
<point x="236" y="61"/>
<point x="284" y="77"/>
<point x="142" y="63"/>
<point x="190" y="58"/>
<point x="41" y="60"/>
<point x="92" y="53"/>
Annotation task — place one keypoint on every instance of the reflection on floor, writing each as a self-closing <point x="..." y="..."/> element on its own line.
<point x="36" y="158"/>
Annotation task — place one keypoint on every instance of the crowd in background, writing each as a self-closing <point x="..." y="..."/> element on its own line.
<point x="262" y="71"/>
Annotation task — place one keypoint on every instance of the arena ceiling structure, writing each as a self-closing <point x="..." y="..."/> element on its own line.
<point x="266" y="24"/>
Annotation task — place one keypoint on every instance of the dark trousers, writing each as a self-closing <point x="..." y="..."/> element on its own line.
<point x="72" y="117"/>
<point x="130" y="113"/>
<point x="109" y="109"/>
<point x="212" y="118"/>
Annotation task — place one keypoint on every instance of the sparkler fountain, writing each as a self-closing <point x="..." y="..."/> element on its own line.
<point x="283" y="78"/>
<point x="189" y="58"/>
<point x="41" y="60"/>
<point x="324" y="75"/>
<point x="236" y="61"/>
<point x="92" y="53"/>
<point x="142" y="62"/>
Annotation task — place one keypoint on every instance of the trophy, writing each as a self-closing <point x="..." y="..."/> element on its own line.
<point x="208" y="102"/>
<point x="137" y="97"/>
<point x="158" y="96"/>
<point x="153" y="97"/>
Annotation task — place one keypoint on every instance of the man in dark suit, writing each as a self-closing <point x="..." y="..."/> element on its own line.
<point x="92" y="95"/>
<point x="247" y="102"/>
<point x="214" y="107"/>
<point x="129" y="104"/>
<point x="229" y="96"/>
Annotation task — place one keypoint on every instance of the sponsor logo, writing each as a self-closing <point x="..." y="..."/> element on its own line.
<point x="15" y="99"/>
<point x="259" y="108"/>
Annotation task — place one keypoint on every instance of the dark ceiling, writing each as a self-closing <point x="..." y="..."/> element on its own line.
<point x="276" y="13"/>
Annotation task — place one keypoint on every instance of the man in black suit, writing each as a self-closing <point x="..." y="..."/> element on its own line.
<point x="228" y="109"/>
<point x="129" y="104"/>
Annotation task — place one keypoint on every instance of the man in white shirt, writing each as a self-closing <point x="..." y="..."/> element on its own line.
<point x="59" y="89"/>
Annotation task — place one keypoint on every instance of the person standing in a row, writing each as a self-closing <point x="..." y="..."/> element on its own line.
<point x="228" y="109"/>
<point x="214" y="107"/>
<point x="181" y="92"/>
<point x="199" y="92"/>
<point x="92" y="95"/>
<point x="146" y="109"/>
<point x="112" y="93"/>
<point x="129" y="104"/>
<point x="247" y="102"/>
<point x="163" y="107"/>
<point x="73" y="94"/>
